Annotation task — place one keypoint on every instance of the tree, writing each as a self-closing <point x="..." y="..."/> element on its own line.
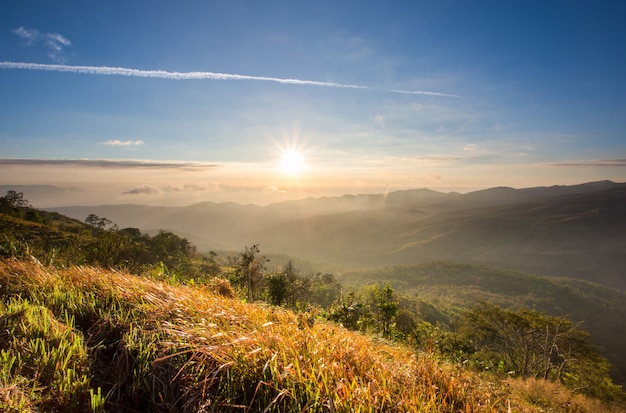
<point x="97" y="222"/>
<point x="12" y="202"/>
<point x="532" y="344"/>
<point x="290" y="281"/>
<point x="171" y="249"/>
<point x="209" y="264"/>
<point x="386" y="307"/>
<point x="325" y="290"/>
<point x="350" y="313"/>
<point x="249" y="270"/>
<point x="298" y="286"/>
<point x="278" y="287"/>
<point x="14" y="199"/>
<point x="405" y="324"/>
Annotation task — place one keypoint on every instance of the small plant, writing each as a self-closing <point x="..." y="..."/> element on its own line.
<point x="97" y="401"/>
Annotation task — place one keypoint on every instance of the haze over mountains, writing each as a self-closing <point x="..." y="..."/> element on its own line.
<point x="573" y="231"/>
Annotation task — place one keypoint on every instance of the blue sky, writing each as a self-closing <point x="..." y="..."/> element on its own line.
<point x="162" y="103"/>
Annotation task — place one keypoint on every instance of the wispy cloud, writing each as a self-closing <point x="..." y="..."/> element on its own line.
<point x="28" y="35"/>
<point x="142" y="190"/>
<point x="108" y="163"/>
<point x="273" y="188"/>
<point x="419" y="160"/>
<point x="162" y="74"/>
<point x="425" y="93"/>
<point x="594" y="163"/>
<point x="211" y="187"/>
<point x="117" y="142"/>
<point x="54" y="42"/>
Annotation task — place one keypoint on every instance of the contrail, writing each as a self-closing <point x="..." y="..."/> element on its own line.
<point x="162" y="74"/>
<point x="421" y="92"/>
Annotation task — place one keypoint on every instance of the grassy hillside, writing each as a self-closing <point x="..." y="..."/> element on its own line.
<point x="88" y="339"/>
<point x="175" y="337"/>
<point x="453" y="287"/>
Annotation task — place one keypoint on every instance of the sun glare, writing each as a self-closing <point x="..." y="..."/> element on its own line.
<point x="292" y="162"/>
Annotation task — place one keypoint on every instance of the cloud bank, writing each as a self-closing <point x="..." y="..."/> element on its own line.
<point x="108" y="163"/>
<point x="594" y="163"/>
<point x="162" y="74"/>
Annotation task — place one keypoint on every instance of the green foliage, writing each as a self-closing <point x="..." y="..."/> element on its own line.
<point x="249" y="271"/>
<point x="97" y="222"/>
<point x="171" y="249"/>
<point x="287" y="286"/>
<point x="532" y="344"/>
<point x="324" y="290"/>
<point x="386" y="307"/>
<point x="278" y="288"/>
<point x="13" y="203"/>
<point x="372" y="308"/>
<point x="283" y="285"/>
<point x="351" y="313"/>
<point x="439" y="292"/>
<point x="524" y="343"/>
<point x="60" y="241"/>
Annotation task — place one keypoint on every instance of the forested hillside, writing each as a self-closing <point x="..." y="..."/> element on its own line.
<point x="450" y="288"/>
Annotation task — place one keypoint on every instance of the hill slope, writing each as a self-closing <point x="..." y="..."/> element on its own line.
<point x="127" y="343"/>
<point x="453" y="287"/>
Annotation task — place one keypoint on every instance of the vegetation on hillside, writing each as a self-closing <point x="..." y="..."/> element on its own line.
<point x="88" y="339"/>
<point x="440" y="292"/>
<point x="97" y="318"/>
<point x="58" y="240"/>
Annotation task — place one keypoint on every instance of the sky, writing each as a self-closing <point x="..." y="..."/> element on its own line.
<point x="164" y="103"/>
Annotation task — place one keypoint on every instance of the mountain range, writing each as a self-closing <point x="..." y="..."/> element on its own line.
<point x="573" y="231"/>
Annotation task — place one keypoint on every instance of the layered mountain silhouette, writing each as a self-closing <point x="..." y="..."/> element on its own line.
<point x="574" y="231"/>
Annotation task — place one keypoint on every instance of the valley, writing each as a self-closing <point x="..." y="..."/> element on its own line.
<point x="567" y="231"/>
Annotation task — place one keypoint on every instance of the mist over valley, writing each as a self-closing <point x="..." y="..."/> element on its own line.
<point x="569" y="231"/>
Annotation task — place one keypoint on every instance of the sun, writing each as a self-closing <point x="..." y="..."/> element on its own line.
<point x="292" y="162"/>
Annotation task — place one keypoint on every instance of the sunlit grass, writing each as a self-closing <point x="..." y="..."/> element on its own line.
<point x="550" y="396"/>
<point x="88" y="339"/>
<point x="44" y="357"/>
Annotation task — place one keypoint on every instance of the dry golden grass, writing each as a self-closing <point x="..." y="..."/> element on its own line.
<point x="551" y="397"/>
<point x="13" y="399"/>
<point x="154" y="346"/>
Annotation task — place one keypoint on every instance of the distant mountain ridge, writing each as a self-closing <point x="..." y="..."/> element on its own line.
<point x="573" y="231"/>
